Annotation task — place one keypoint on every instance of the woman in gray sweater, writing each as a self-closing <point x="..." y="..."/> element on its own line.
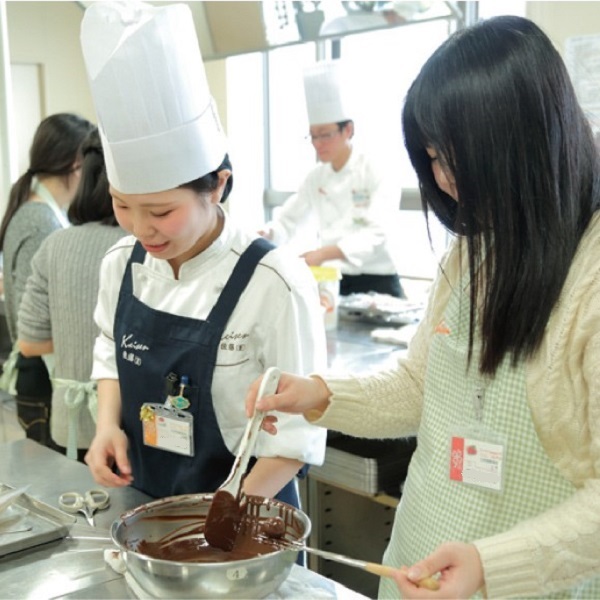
<point x="56" y="312"/>
<point x="36" y="208"/>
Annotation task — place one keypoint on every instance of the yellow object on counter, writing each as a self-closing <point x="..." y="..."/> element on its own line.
<point x="328" y="280"/>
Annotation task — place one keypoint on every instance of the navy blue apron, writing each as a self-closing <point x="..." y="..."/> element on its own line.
<point x="151" y="344"/>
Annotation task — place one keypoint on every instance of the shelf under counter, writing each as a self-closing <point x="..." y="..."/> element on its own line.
<point x="380" y="497"/>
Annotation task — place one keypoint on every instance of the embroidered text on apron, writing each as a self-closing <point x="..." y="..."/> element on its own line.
<point x="150" y="344"/>
<point x="434" y="509"/>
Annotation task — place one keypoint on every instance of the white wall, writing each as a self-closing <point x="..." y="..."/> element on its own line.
<point x="561" y="20"/>
<point x="47" y="33"/>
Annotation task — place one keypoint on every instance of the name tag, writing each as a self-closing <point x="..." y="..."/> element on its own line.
<point x="477" y="462"/>
<point x="168" y="429"/>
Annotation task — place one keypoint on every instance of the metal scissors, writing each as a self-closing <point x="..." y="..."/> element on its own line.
<point x="87" y="504"/>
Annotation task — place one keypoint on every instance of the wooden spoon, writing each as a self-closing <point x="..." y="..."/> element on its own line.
<point x="224" y="516"/>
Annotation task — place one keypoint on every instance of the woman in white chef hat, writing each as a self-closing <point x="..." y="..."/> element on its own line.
<point x="191" y="310"/>
<point x="346" y="198"/>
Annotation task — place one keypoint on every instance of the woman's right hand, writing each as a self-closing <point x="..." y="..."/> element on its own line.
<point x="109" y="448"/>
<point x="297" y="395"/>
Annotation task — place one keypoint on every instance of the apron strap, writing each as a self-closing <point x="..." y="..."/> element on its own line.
<point x="77" y="394"/>
<point x="137" y="256"/>
<point x="237" y="282"/>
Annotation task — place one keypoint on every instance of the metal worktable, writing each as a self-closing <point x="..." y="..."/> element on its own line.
<point x="350" y="349"/>
<point x="69" y="568"/>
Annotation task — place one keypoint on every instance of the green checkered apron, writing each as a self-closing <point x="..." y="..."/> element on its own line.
<point x="434" y="509"/>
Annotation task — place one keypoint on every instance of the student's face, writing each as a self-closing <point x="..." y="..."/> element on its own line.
<point x="329" y="142"/>
<point x="443" y="176"/>
<point x="173" y="225"/>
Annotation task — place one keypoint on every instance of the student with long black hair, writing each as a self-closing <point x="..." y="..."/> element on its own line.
<point x="501" y="384"/>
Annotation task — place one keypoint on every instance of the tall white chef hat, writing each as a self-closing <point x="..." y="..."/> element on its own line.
<point x="156" y="117"/>
<point x="327" y="100"/>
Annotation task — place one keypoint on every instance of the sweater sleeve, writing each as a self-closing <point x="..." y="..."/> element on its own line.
<point x="553" y="551"/>
<point x="32" y="229"/>
<point x="296" y="218"/>
<point x="111" y="274"/>
<point x="557" y="549"/>
<point x="34" y="311"/>
<point x="560" y="547"/>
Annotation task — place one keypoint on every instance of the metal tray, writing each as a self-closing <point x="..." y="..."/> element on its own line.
<point x="43" y="522"/>
<point x="379" y="309"/>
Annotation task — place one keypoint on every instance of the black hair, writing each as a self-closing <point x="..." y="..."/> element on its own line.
<point x="496" y="103"/>
<point x="55" y="148"/>
<point x="92" y="201"/>
<point x="210" y="181"/>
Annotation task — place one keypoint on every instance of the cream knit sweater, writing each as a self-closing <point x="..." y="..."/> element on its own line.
<point x="558" y="548"/>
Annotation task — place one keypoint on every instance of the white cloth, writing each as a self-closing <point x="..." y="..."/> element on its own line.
<point x="8" y="379"/>
<point x="327" y="99"/>
<point x="277" y="322"/>
<point x="353" y="208"/>
<point x="157" y="121"/>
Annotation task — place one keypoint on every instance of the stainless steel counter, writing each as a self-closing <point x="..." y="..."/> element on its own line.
<point x="351" y="349"/>
<point x="75" y="568"/>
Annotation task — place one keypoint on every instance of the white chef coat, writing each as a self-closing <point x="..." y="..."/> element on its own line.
<point x="277" y="322"/>
<point x="352" y="208"/>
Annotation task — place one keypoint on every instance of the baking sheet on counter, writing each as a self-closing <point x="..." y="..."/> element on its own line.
<point x="381" y="309"/>
<point x="27" y="522"/>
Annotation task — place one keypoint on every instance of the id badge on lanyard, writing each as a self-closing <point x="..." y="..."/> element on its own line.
<point x="361" y="200"/>
<point x="169" y="426"/>
<point x="477" y="454"/>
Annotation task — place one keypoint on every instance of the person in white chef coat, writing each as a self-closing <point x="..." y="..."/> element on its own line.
<point x="191" y="309"/>
<point x="348" y="200"/>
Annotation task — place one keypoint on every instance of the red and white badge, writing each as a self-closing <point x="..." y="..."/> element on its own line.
<point x="477" y="462"/>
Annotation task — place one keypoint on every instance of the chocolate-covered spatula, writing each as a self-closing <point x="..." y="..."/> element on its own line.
<point x="223" y="518"/>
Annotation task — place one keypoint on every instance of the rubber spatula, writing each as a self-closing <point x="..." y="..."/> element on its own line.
<point x="224" y="516"/>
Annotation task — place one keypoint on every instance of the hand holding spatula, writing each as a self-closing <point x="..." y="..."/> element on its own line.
<point x="224" y="516"/>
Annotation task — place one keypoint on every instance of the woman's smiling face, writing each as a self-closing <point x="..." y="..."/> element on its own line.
<point x="442" y="174"/>
<point x="174" y="225"/>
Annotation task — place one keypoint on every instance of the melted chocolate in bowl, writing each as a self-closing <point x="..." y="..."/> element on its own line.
<point x="167" y="555"/>
<point x="223" y="521"/>
<point x="257" y="535"/>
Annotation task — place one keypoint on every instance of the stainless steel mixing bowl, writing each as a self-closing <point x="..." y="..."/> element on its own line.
<point x="250" y="578"/>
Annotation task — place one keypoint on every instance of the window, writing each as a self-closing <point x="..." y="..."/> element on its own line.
<point x="494" y="8"/>
<point x="291" y="156"/>
<point x="245" y="127"/>
<point x="384" y="62"/>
